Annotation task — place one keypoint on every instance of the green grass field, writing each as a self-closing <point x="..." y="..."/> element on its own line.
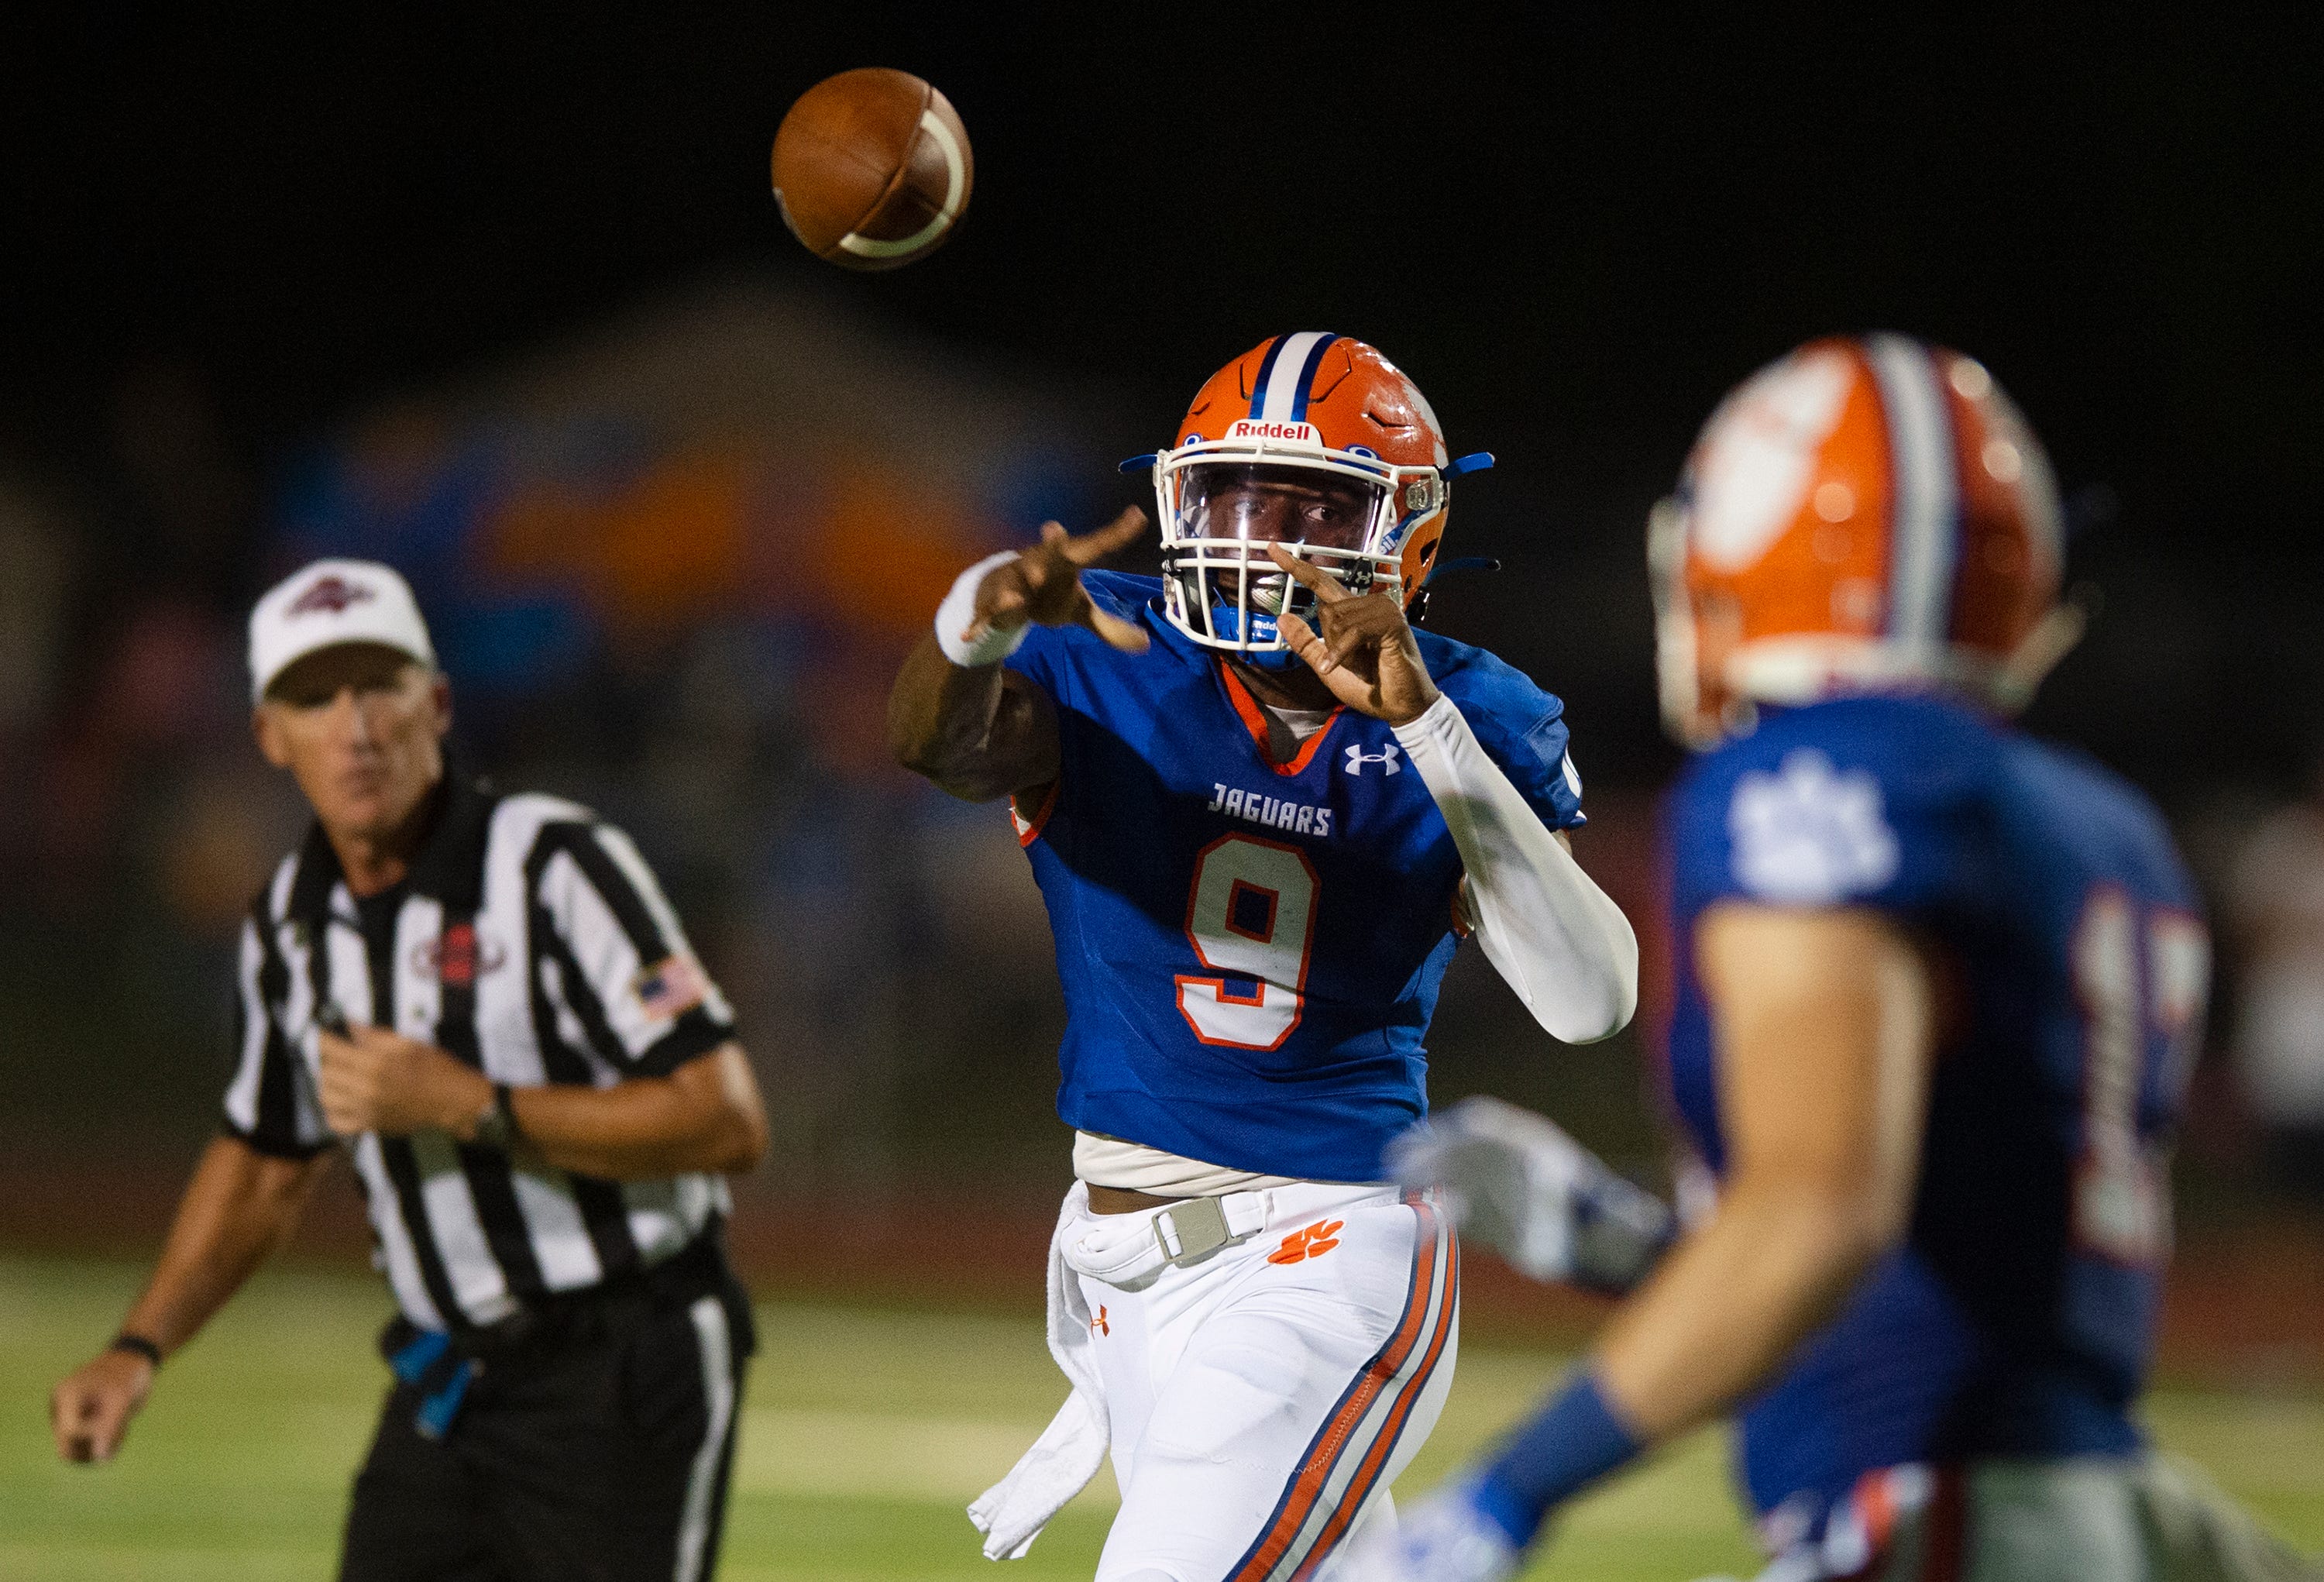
<point x="867" y="1432"/>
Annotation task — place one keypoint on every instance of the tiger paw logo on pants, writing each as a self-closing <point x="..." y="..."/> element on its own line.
<point x="1313" y="1241"/>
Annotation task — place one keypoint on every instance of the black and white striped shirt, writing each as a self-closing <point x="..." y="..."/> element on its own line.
<point x="532" y="941"/>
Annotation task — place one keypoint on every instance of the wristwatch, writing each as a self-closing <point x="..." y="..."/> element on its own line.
<point x="496" y="1124"/>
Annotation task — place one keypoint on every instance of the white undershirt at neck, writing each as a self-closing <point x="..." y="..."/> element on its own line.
<point x="1302" y="723"/>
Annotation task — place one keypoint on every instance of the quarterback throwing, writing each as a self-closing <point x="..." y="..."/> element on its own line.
<point x="1263" y="811"/>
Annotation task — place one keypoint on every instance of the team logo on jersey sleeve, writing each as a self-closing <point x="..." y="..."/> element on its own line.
<point x="1808" y="835"/>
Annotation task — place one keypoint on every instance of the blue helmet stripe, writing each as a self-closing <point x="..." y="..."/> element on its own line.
<point x="1266" y="371"/>
<point x="1281" y="395"/>
<point x="1315" y="360"/>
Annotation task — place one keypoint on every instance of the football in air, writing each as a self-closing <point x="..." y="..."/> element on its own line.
<point x="872" y="169"/>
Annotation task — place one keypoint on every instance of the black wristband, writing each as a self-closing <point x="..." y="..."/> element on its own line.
<point x="138" y="1346"/>
<point x="496" y="1127"/>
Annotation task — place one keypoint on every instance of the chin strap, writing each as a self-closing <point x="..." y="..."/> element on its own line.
<point x="1418" y="612"/>
<point x="2053" y="638"/>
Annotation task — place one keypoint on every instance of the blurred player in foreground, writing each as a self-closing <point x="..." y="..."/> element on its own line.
<point x="1938" y="986"/>
<point x="488" y="999"/>
<point x="1261" y="808"/>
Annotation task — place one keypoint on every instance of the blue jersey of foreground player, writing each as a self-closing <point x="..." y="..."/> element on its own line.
<point x="1251" y="952"/>
<point x="2017" y="1319"/>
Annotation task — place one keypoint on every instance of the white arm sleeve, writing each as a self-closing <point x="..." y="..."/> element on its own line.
<point x="1557" y="939"/>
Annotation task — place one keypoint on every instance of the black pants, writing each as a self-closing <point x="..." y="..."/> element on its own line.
<point x="596" y="1449"/>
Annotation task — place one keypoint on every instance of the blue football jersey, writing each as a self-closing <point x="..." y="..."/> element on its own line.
<point x="2018" y="1317"/>
<point x="1251" y="952"/>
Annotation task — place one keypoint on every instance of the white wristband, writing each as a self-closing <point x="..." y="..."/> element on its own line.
<point x="958" y="612"/>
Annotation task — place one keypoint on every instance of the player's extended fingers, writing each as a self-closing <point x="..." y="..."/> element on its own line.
<point x="1302" y="640"/>
<point x="1002" y="600"/>
<point x="1327" y="589"/>
<point x="1044" y="563"/>
<point x="1118" y="534"/>
<point x="1007" y="599"/>
<point x="1125" y="636"/>
<point x="1355" y="624"/>
<point x="1355" y="637"/>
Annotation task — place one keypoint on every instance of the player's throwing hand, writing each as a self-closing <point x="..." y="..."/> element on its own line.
<point x="1043" y="586"/>
<point x="1365" y="652"/>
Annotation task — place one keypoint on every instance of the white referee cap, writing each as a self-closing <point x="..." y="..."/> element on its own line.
<point x="327" y="603"/>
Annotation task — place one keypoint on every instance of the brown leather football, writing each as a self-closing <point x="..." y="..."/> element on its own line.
<point x="871" y="169"/>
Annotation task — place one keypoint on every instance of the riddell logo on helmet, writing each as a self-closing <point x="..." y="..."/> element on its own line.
<point x="329" y="594"/>
<point x="1263" y="428"/>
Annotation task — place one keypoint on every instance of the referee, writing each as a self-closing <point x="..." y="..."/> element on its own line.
<point x="488" y="999"/>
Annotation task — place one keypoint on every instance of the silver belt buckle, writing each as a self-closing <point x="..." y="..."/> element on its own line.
<point x="1199" y="1223"/>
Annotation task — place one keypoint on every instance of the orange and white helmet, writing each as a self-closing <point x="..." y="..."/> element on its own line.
<point x="1315" y="441"/>
<point x="1867" y="514"/>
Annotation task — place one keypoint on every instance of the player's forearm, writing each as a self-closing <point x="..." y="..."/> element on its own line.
<point x="238" y="1208"/>
<point x="1731" y="1301"/>
<point x="952" y="724"/>
<point x="1558" y="939"/>
<point x="707" y="1116"/>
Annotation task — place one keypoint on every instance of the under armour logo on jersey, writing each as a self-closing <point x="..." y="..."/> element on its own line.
<point x="1384" y="758"/>
<point x="1098" y="1326"/>
<point x="1809" y="834"/>
<point x="1313" y="1241"/>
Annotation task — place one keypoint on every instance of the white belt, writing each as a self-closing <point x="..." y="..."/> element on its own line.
<point x="1128" y="1249"/>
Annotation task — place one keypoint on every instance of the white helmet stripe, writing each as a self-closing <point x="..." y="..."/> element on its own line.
<point x="1275" y="400"/>
<point x="1926" y="493"/>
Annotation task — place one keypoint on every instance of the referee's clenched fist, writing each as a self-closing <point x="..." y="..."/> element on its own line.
<point x="370" y="1079"/>
<point x="490" y="1001"/>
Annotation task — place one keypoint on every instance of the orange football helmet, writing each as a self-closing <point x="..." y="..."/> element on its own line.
<point x="1315" y="441"/>
<point x="1867" y="514"/>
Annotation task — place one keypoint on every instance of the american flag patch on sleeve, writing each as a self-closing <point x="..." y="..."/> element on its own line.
<point x="670" y="987"/>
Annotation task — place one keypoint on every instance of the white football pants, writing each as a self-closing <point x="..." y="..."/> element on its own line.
<point x="1262" y="1398"/>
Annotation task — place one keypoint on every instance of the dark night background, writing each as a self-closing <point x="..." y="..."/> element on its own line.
<point x="499" y="293"/>
<point x="1576" y="231"/>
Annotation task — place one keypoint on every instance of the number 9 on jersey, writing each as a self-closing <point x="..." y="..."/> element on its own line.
<point x="1251" y="920"/>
